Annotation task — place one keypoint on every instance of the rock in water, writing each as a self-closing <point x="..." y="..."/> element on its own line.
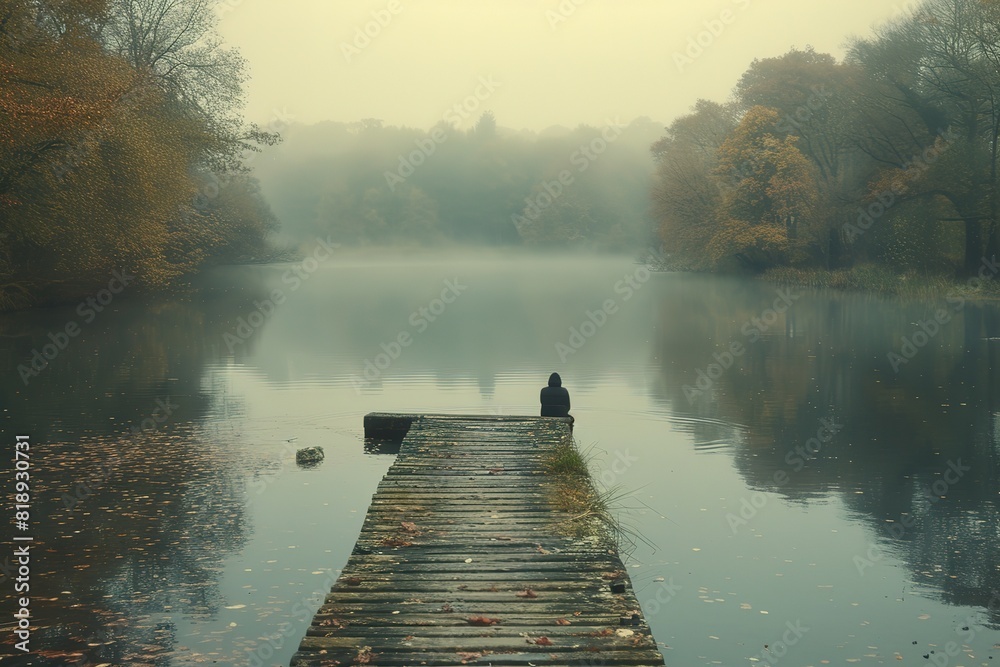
<point x="309" y="456"/>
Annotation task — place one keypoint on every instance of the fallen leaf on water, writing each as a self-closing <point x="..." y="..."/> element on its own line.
<point x="923" y="617"/>
<point x="235" y="606"/>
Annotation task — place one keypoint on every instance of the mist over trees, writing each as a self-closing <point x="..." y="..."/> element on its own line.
<point x="121" y="147"/>
<point x="366" y="183"/>
<point x="889" y="157"/>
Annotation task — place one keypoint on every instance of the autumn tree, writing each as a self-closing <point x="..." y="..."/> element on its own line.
<point x="933" y="88"/>
<point x="767" y="217"/>
<point x="687" y="192"/>
<point x="814" y="97"/>
<point x="178" y="43"/>
<point x="101" y="162"/>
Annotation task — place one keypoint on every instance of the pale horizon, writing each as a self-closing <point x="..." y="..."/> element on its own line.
<point x="544" y="67"/>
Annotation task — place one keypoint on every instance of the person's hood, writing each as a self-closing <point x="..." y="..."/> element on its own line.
<point x="555" y="380"/>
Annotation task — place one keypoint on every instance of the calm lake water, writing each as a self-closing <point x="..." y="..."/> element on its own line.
<point x="787" y="487"/>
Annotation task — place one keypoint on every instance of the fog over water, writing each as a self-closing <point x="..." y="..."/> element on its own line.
<point x="757" y="240"/>
<point x="204" y="521"/>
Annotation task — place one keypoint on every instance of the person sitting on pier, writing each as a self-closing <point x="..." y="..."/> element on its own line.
<point x="555" y="399"/>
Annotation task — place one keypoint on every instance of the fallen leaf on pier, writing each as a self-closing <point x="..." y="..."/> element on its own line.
<point x="543" y="641"/>
<point x="466" y="656"/>
<point x="562" y="621"/>
<point x="396" y="542"/>
<point x="496" y="471"/>
<point x="527" y="593"/>
<point x="482" y="620"/>
<point x="365" y="655"/>
<point x="408" y="526"/>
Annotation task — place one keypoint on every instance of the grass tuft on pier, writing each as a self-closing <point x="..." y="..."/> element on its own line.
<point x="575" y="492"/>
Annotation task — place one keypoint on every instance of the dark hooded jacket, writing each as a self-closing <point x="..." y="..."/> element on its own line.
<point x="555" y="398"/>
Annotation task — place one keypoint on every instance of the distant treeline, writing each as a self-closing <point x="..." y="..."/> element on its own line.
<point x="121" y="147"/>
<point x="366" y="183"/>
<point x="889" y="157"/>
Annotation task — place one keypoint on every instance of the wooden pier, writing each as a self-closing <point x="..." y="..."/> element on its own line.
<point x="469" y="556"/>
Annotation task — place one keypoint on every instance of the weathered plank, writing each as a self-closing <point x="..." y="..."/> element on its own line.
<point x="463" y="558"/>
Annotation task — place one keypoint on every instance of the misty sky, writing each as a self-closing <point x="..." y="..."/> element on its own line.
<point x="530" y="63"/>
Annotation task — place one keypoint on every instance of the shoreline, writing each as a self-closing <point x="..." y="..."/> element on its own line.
<point x="880" y="281"/>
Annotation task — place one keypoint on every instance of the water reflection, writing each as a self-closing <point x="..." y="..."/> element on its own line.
<point x="135" y="506"/>
<point x="915" y="452"/>
<point x="167" y="484"/>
